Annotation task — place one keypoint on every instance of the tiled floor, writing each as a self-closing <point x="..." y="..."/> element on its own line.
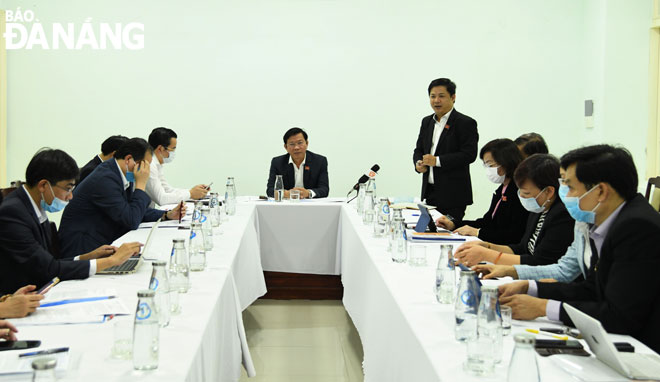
<point x="302" y="340"/>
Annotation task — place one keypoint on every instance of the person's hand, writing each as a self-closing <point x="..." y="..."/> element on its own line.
<point x="21" y="305"/>
<point x="125" y="251"/>
<point x="445" y="223"/>
<point x="510" y="289"/>
<point x="466" y="230"/>
<point x="141" y="172"/>
<point x="287" y="194"/>
<point x="419" y="166"/>
<point x="8" y="331"/>
<point x="178" y="212"/>
<point x="492" y="271"/>
<point x="525" y="307"/>
<point x="304" y="193"/>
<point x="199" y="191"/>
<point x="471" y="254"/>
<point x="100" y="252"/>
<point x="28" y="289"/>
<point x="428" y="160"/>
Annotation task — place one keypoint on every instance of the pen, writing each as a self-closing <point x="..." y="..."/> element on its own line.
<point x="180" y="209"/>
<point x="75" y="300"/>
<point x="44" y="352"/>
<point x="565" y="338"/>
<point x="209" y="186"/>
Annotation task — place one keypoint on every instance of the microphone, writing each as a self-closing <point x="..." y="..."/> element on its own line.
<point x="364" y="178"/>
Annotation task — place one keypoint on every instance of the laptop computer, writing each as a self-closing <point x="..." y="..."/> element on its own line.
<point x="132" y="264"/>
<point x="631" y="365"/>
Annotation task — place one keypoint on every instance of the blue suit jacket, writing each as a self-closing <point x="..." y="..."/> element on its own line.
<point x="24" y="248"/>
<point x="315" y="174"/>
<point x="102" y="211"/>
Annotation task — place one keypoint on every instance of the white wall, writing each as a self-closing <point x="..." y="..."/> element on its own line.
<point x="231" y="76"/>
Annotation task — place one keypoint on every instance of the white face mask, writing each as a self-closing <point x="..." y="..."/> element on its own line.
<point x="170" y="158"/>
<point x="493" y="176"/>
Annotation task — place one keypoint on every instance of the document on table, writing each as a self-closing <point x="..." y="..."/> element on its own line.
<point x="10" y="363"/>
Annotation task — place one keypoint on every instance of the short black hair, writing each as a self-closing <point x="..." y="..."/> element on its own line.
<point x="540" y="169"/>
<point x="112" y="143"/>
<point x="136" y="147"/>
<point x="51" y="164"/>
<point x="294" y="131"/>
<point x="532" y="143"/>
<point x="446" y="82"/>
<point x="161" y="136"/>
<point x="604" y="163"/>
<point x="505" y="153"/>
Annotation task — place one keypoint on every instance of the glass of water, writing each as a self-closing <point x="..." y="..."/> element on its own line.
<point x="294" y="195"/>
<point x="122" y="347"/>
<point x="417" y="257"/>
<point x="507" y="316"/>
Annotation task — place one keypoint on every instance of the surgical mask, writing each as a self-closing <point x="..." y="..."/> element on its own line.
<point x="170" y="158"/>
<point x="56" y="205"/>
<point x="572" y="204"/>
<point x="531" y="205"/>
<point x="493" y="176"/>
<point x="130" y="177"/>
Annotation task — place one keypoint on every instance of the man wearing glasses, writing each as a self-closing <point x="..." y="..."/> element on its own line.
<point x="163" y="141"/>
<point x="301" y="170"/>
<point x="29" y="252"/>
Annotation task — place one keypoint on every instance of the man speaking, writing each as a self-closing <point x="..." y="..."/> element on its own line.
<point x="446" y="146"/>
<point x="301" y="170"/>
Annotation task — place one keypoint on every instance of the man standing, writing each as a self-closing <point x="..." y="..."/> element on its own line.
<point x="108" y="148"/>
<point x="163" y="141"/>
<point x="446" y="146"/>
<point x="301" y="170"/>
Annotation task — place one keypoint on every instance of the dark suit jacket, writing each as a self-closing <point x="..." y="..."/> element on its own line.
<point x="88" y="168"/>
<point x="457" y="148"/>
<point x="554" y="238"/>
<point x="101" y="211"/>
<point x="509" y="222"/>
<point x="24" y="248"/>
<point x="623" y="291"/>
<point x="315" y="174"/>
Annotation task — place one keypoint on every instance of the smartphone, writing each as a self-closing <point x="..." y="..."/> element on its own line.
<point x="18" y="345"/>
<point x="49" y="285"/>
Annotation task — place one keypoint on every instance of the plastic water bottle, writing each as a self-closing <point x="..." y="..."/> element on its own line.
<point x="145" y="332"/>
<point x="214" y="206"/>
<point x="160" y="284"/>
<point x="445" y="276"/>
<point x="179" y="266"/>
<point x="523" y="366"/>
<point x="205" y="219"/>
<point x="382" y="218"/>
<point x="465" y="309"/>
<point x="368" y="208"/>
<point x="196" y="249"/>
<point x="279" y="188"/>
<point x="230" y="196"/>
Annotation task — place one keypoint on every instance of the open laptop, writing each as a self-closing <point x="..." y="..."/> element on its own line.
<point x="630" y="365"/>
<point x="133" y="263"/>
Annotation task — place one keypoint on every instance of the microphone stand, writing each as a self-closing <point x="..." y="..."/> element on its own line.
<point x="353" y="198"/>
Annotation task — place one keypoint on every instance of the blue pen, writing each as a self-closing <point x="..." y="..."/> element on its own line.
<point x="75" y="300"/>
<point x="44" y="352"/>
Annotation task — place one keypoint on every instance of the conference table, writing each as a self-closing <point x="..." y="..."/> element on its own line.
<point x="406" y="335"/>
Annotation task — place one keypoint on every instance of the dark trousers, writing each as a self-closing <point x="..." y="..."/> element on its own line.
<point x="456" y="212"/>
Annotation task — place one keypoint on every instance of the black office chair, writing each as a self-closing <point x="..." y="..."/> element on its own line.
<point x="653" y="197"/>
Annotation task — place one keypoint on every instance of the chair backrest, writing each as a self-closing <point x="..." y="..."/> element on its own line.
<point x="7" y="191"/>
<point x="652" y="194"/>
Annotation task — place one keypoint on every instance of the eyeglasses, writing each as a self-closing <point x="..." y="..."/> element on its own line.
<point x="294" y="144"/>
<point x="67" y="189"/>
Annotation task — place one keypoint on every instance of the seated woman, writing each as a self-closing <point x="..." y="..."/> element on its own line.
<point x="23" y="302"/>
<point x="549" y="229"/>
<point x="505" y="220"/>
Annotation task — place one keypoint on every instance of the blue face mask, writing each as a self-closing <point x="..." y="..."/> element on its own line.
<point x="130" y="177"/>
<point x="572" y="204"/>
<point x="531" y="205"/>
<point x="56" y="205"/>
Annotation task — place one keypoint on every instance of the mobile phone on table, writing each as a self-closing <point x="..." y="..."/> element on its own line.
<point x="49" y="285"/>
<point x="18" y="345"/>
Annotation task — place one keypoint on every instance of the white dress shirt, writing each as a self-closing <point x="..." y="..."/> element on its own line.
<point x="298" y="175"/>
<point x="41" y="215"/>
<point x="159" y="190"/>
<point x="437" y="131"/>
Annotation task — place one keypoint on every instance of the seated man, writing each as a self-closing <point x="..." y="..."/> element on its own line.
<point x="23" y="302"/>
<point x="599" y="187"/>
<point x="111" y="201"/>
<point x="108" y="148"/>
<point x="163" y="141"/>
<point x="26" y="240"/>
<point x="301" y="170"/>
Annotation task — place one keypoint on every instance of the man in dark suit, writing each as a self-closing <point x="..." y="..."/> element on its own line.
<point x="111" y="201"/>
<point x="301" y="170"/>
<point x="622" y="289"/>
<point x="108" y="148"/>
<point x="446" y="146"/>
<point x="26" y="239"/>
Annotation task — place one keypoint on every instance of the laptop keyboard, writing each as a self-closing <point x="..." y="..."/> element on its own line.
<point x="125" y="267"/>
<point x="642" y="365"/>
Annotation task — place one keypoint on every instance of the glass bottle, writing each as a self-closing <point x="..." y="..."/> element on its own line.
<point x="368" y="208"/>
<point x="214" y="206"/>
<point x="160" y="284"/>
<point x="197" y="211"/>
<point x="44" y="369"/>
<point x="179" y="266"/>
<point x="382" y="218"/>
<point x="445" y="275"/>
<point x="230" y="197"/>
<point x="205" y="219"/>
<point x="196" y="249"/>
<point x="279" y="188"/>
<point x="399" y="242"/>
<point x="523" y="366"/>
<point x="362" y="189"/>
<point x="465" y="308"/>
<point x="489" y="321"/>
<point x="145" y="332"/>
